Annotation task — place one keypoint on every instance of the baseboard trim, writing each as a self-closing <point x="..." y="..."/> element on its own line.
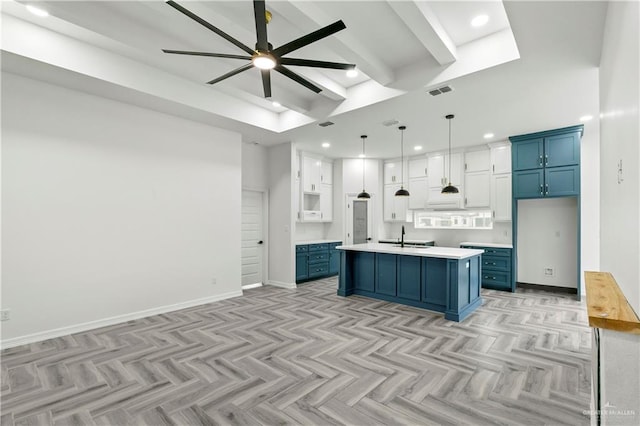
<point x="281" y="284"/>
<point x="250" y="286"/>
<point x="91" y="325"/>
<point x="550" y="288"/>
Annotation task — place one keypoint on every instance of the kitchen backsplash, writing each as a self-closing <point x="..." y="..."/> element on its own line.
<point x="501" y="233"/>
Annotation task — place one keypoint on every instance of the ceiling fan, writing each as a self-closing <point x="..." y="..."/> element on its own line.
<point x="264" y="56"/>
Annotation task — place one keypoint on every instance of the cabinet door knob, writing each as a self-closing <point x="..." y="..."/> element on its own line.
<point x="546" y="159"/>
<point x="547" y="188"/>
<point x="540" y="187"/>
<point x="540" y="161"/>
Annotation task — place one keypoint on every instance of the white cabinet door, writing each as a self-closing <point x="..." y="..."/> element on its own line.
<point x="457" y="169"/>
<point x="326" y="202"/>
<point x="435" y="169"/>
<point x="477" y="189"/>
<point x="501" y="159"/>
<point x="477" y="161"/>
<point x="501" y="197"/>
<point x="418" y="167"/>
<point x="392" y="172"/>
<point x="311" y="172"/>
<point x="418" y="188"/>
<point x="327" y="173"/>
<point x="395" y="208"/>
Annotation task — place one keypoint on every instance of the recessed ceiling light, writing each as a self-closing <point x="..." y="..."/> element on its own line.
<point x="479" y="21"/>
<point x="488" y="135"/>
<point x="586" y="118"/>
<point x="326" y="144"/>
<point x="352" y="73"/>
<point x="276" y="104"/>
<point x="361" y="156"/>
<point x="417" y="148"/>
<point x="37" y="11"/>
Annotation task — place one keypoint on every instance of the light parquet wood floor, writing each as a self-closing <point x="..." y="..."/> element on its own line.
<point x="307" y="356"/>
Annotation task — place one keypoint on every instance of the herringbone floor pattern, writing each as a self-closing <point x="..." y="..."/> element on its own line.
<point x="307" y="356"/>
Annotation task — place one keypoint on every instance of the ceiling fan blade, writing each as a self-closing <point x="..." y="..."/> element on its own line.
<point x="297" y="78"/>
<point x="310" y="38"/>
<point x="215" y="55"/>
<point x="231" y="73"/>
<point x="211" y="27"/>
<point x="316" y="64"/>
<point x="266" y="82"/>
<point x="261" y="24"/>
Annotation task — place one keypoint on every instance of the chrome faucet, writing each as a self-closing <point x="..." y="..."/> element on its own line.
<point x="402" y="237"/>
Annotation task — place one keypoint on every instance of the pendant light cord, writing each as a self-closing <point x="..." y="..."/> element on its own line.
<point x="449" y="183"/>
<point x="363" y="163"/>
<point x="402" y="156"/>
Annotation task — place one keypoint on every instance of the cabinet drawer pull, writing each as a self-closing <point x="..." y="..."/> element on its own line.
<point x="486" y="277"/>
<point x="540" y="161"/>
<point x="546" y="159"/>
<point x="490" y="263"/>
<point x="546" y="186"/>
<point x="541" y="188"/>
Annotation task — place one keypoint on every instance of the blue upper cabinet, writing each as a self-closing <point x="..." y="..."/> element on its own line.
<point x="546" y="164"/>
<point x="562" y="150"/>
<point x="528" y="154"/>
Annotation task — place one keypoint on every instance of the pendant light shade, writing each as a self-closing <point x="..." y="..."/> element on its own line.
<point x="449" y="189"/>
<point x="402" y="192"/>
<point x="364" y="195"/>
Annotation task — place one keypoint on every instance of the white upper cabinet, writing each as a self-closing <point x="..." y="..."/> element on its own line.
<point x="438" y="170"/>
<point x="395" y="208"/>
<point x="326" y="202"/>
<point x="477" y="161"/>
<point x="418" y="167"/>
<point x="501" y="196"/>
<point x="501" y="159"/>
<point x="477" y="189"/>
<point x="392" y="172"/>
<point x="327" y="172"/>
<point x="418" y="188"/>
<point x="311" y="175"/>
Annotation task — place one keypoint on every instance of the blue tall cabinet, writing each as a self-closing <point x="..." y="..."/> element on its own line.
<point x="545" y="164"/>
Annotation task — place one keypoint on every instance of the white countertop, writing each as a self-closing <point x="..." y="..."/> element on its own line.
<point x="301" y="243"/>
<point x="496" y="245"/>
<point x="441" y="252"/>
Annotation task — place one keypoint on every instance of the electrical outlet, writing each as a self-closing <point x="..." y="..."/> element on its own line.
<point x="548" y="272"/>
<point x="214" y="281"/>
<point x="5" y="315"/>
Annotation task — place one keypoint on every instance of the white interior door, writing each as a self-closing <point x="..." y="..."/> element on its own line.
<point x="363" y="227"/>
<point x="252" y="237"/>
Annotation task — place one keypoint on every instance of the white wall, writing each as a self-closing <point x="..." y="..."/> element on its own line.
<point x="110" y="211"/>
<point x="281" y="222"/>
<point x="548" y="238"/>
<point x="255" y="167"/>
<point x="620" y="201"/>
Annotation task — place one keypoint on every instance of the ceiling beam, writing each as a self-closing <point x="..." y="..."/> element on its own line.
<point x="309" y="15"/>
<point x="426" y="26"/>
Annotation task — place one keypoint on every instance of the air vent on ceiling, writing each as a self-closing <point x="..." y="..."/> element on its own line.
<point x="440" y="90"/>
<point x="326" y="123"/>
<point x="389" y="123"/>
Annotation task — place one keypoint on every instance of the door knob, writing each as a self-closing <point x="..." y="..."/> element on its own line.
<point x="260" y="242"/>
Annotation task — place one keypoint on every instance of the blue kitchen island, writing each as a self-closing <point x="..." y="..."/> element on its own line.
<point x="440" y="279"/>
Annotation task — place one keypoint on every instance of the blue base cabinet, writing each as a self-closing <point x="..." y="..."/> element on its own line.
<point x="497" y="267"/>
<point x="314" y="261"/>
<point x="450" y="286"/>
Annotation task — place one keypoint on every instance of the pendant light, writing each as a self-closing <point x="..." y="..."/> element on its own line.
<point x="449" y="189"/>
<point x="364" y="195"/>
<point x="402" y="192"/>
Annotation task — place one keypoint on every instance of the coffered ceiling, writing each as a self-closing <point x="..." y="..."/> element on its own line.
<point x="402" y="49"/>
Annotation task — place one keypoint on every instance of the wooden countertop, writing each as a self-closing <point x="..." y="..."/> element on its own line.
<point x="607" y="306"/>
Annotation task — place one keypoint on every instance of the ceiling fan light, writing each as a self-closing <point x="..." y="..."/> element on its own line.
<point x="264" y="61"/>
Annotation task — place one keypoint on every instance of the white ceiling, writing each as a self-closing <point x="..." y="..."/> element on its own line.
<point x="530" y="68"/>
